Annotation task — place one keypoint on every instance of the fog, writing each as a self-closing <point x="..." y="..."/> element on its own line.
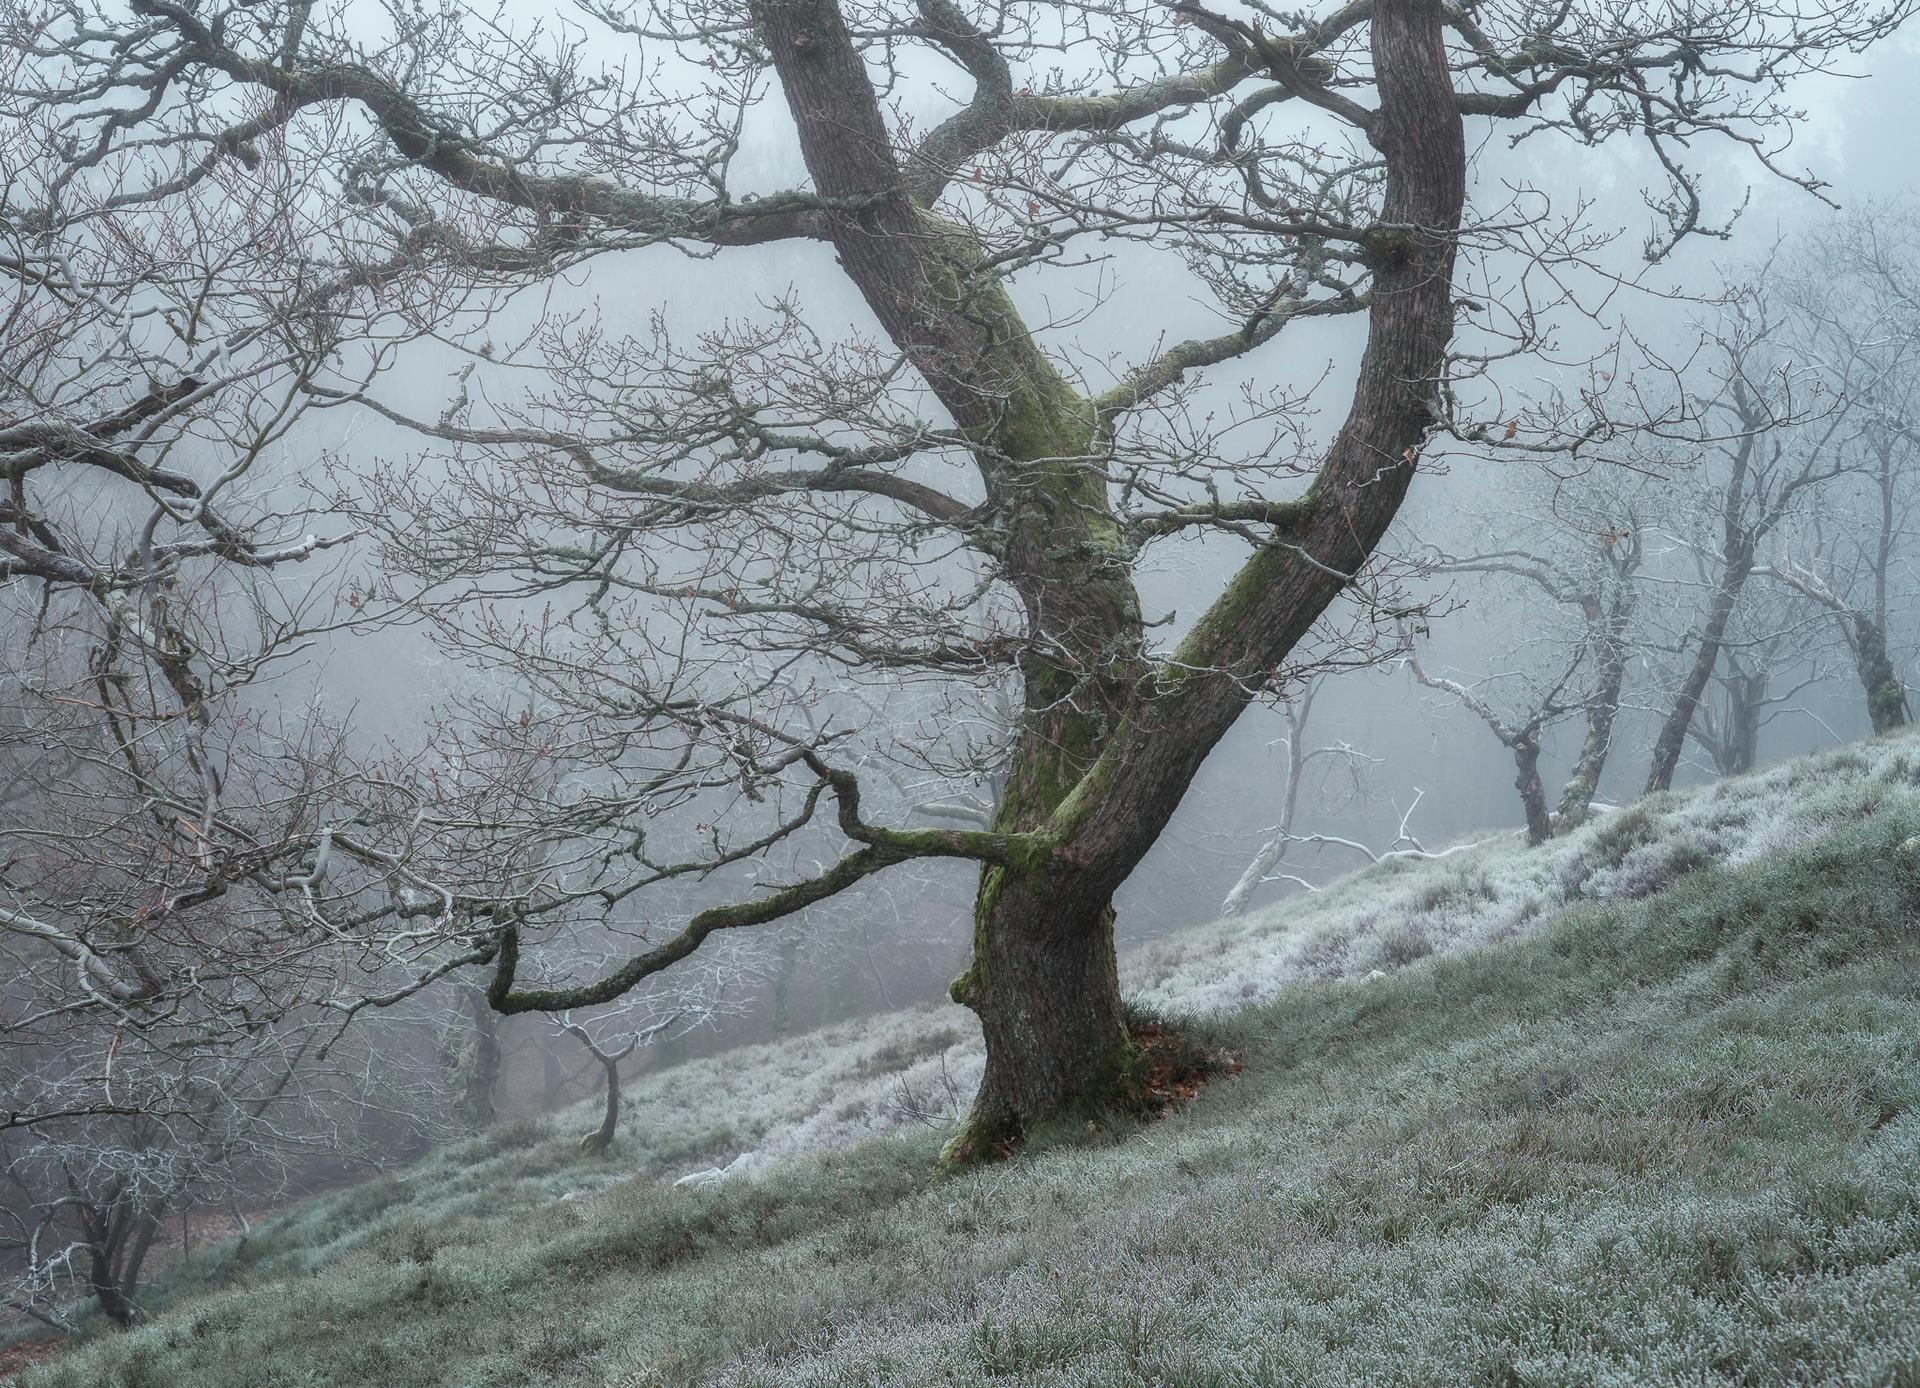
<point x="514" y="582"/>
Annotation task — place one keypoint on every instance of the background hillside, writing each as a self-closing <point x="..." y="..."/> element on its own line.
<point x="1635" y="1107"/>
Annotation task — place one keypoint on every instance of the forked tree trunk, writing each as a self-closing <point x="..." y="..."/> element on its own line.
<point x="1044" y="979"/>
<point x="119" y="1232"/>
<point x="1108" y="746"/>
<point x="1051" y="929"/>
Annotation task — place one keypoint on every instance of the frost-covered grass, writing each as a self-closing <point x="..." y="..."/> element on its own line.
<point x="1663" y="1128"/>
<point x="1406" y="908"/>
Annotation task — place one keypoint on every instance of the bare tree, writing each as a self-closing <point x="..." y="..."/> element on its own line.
<point x="1518" y="731"/>
<point x="609" y="1055"/>
<point x="1771" y="655"/>
<point x="1778" y="450"/>
<point x="86" y="1197"/>
<point x="1337" y="761"/>
<point x="172" y="1007"/>
<point x="668" y="543"/>
<point x="1608" y="609"/>
<point x="1854" y="314"/>
<point x="1576" y="540"/>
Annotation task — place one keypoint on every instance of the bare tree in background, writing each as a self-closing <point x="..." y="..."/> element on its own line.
<point x="671" y="542"/>
<point x="1853" y="313"/>
<point x="1771" y="655"/>
<point x="173" y="1007"/>
<point x="1576" y="541"/>
<point x="1780" y="432"/>
<point x="1331" y="764"/>
<point x="1519" y="726"/>
<point x="608" y="1054"/>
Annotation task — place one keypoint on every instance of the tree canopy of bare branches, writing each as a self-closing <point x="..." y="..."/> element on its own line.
<point x="659" y="552"/>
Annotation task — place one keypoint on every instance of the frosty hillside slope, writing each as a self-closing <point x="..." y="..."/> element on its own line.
<point x="851" y="1081"/>
<point x="1406" y="908"/>
<point x="1668" y="1138"/>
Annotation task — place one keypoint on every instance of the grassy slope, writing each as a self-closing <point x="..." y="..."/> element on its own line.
<point x="1668" y="1137"/>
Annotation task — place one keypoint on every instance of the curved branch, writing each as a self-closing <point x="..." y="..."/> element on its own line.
<point x="429" y="141"/>
<point x="998" y="111"/>
<point x="881" y="848"/>
<point x="851" y="470"/>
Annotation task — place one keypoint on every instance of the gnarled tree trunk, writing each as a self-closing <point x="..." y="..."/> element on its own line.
<point x="1533" y="795"/>
<point x="1044" y="977"/>
<point x="1886" y="696"/>
<point x="119" y="1231"/>
<point x="1107" y="744"/>
<point x="1046" y="985"/>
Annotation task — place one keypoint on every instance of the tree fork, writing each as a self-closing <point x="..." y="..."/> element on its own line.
<point x="1107" y="746"/>
<point x="1044" y="1055"/>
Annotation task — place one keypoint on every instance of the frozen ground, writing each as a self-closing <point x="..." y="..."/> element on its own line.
<point x="849" y="1082"/>
<point x="1640" y="1107"/>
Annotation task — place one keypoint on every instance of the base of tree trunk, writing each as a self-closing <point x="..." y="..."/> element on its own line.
<point x="1158" y="1069"/>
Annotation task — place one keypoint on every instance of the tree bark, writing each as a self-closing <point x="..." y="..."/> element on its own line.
<point x="476" y="1064"/>
<point x="1241" y="894"/>
<point x="1043" y="977"/>
<point x="1745" y="694"/>
<point x="1886" y="697"/>
<point x="119" y="1233"/>
<point x="1603" y="708"/>
<point x="1046" y="985"/>
<point x="1533" y="795"/>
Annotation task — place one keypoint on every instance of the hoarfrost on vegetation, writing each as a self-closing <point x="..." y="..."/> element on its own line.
<point x="1383" y="918"/>
<point x="742" y="1112"/>
<point x="1664" y="1141"/>
<point x="745" y="1112"/>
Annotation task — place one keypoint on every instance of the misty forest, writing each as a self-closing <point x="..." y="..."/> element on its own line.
<point x="943" y="692"/>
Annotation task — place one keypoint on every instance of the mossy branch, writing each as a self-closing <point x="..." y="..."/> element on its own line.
<point x="880" y="848"/>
